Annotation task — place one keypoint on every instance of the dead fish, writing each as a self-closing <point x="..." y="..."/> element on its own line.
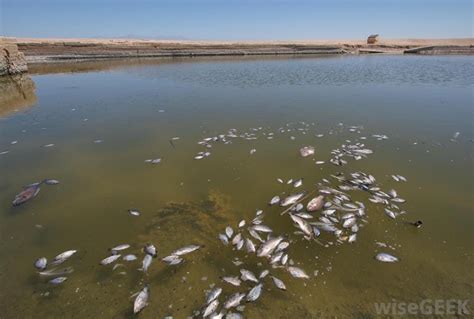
<point x="237" y="239"/>
<point x="62" y="257"/>
<point x="278" y="283"/>
<point x="172" y="260"/>
<point x="268" y="247"/>
<point x="186" y="250"/>
<point x="297" y="272"/>
<point x="252" y="151"/>
<point x="316" y="231"/>
<point x="298" y="183"/>
<point x="348" y="223"/>
<point x="262" y="228"/>
<point x="41" y="263"/>
<point x="274" y="200"/>
<point x="263" y="274"/>
<point x="146" y="263"/>
<point x="26" y="194"/>
<point x="232" y="280"/>
<point x="292" y="199"/>
<point x="249" y="245"/>
<point x="307" y="151"/>
<point x="390" y="213"/>
<point x="315" y="204"/>
<point x="234" y="300"/>
<point x="134" y="212"/>
<point x="386" y="258"/>
<point x="280" y="180"/>
<point x="254" y="293"/>
<point x="302" y="224"/>
<point x="240" y="244"/>
<point x="229" y="231"/>
<point x="282" y="246"/>
<point x="247" y="275"/>
<point x="211" y="307"/>
<point x="142" y="300"/>
<point x="129" y="257"/>
<point x="352" y="238"/>
<point x="109" y="260"/>
<point x="51" y="182"/>
<point x="150" y="249"/>
<point x="58" y="280"/>
<point x="224" y="239"/>
<point x="120" y="247"/>
<point x="255" y="235"/>
<point x="241" y="223"/>
<point x="56" y="272"/>
<point x="212" y="295"/>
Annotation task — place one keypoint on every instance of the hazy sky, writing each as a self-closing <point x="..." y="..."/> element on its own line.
<point x="237" y="19"/>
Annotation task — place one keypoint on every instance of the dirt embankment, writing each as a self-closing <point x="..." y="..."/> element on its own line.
<point x="45" y="50"/>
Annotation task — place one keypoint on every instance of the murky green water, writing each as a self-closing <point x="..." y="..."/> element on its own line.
<point x="135" y="108"/>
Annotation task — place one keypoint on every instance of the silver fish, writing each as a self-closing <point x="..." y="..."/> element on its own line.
<point x="254" y="293"/>
<point x="262" y="228"/>
<point x="247" y="275"/>
<point x="142" y="300"/>
<point x="232" y="280"/>
<point x="302" y="224"/>
<point x="348" y="223"/>
<point x="58" y="280"/>
<point x="109" y="260"/>
<point x="185" y="250"/>
<point x="211" y="307"/>
<point x="315" y="204"/>
<point x="268" y="247"/>
<point x="390" y="213"/>
<point x="298" y="183"/>
<point x="292" y="199"/>
<point x="240" y="244"/>
<point x="146" y="263"/>
<point x="212" y="295"/>
<point x="120" y="247"/>
<point x="229" y="232"/>
<point x="56" y="272"/>
<point x="278" y="283"/>
<point x="41" y="263"/>
<point x="51" y="182"/>
<point x="263" y="274"/>
<point x="224" y="239"/>
<point x="386" y="258"/>
<point x="249" y="245"/>
<point x="129" y="257"/>
<point x="274" y="200"/>
<point x="242" y="223"/>
<point x="150" y="249"/>
<point x="352" y="238"/>
<point x="134" y="212"/>
<point x="234" y="300"/>
<point x="282" y="246"/>
<point x="62" y="257"/>
<point x="297" y="272"/>
<point x="237" y="239"/>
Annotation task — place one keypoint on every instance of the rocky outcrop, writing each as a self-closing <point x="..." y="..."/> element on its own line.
<point x="12" y="61"/>
<point x="17" y="93"/>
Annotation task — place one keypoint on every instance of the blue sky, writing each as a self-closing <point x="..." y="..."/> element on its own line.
<point x="237" y="19"/>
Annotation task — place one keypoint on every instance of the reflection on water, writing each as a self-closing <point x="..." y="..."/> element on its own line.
<point x="99" y="121"/>
<point x="17" y="93"/>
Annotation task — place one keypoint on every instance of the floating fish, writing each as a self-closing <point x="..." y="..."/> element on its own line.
<point x="267" y="248"/>
<point x="56" y="272"/>
<point x="307" y="151"/>
<point x="142" y="300"/>
<point x="211" y="307"/>
<point x="41" y="263"/>
<point x="120" y="247"/>
<point x="247" y="275"/>
<point x="229" y="231"/>
<point x="292" y="199"/>
<point x="386" y="258"/>
<point x="234" y="300"/>
<point x="274" y="200"/>
<point x="186" y="250"/>
<point x="28" y="193"/>
<point x="212" y="295"/>
<point x="254" y="293"/>
<point x="146" y="263"/>
<point x="224" y="239"/>
<point x="297" y="272"/>
<point x="298" y="183"/>
<point x="315" y="204"/>
<point x="129" y="257"/>
<point x="232" y="280"/>
<point x="109" y="259"/>
<point x="262" y="228"/>
<point x="134" y="212"/>
<point x="278" y="283"/>
<point x="150" y="249"/>
<point x="62" y="257"/>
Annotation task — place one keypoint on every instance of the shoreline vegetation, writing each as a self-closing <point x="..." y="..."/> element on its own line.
<point x="54" y="50"/>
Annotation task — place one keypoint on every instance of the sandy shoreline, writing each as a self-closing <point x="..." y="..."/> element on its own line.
<point x="48" y="50"/>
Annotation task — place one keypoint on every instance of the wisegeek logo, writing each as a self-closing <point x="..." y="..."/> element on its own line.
<point x="426" y="307"/>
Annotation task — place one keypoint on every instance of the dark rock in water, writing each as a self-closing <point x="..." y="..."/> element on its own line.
<point x="28" y="193"/>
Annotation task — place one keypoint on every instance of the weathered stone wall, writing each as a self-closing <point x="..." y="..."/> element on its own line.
<point x="11" y="60"/>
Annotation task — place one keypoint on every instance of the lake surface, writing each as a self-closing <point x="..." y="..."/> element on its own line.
<point x="93" y="125"/>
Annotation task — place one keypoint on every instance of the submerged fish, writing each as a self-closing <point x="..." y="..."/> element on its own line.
<point x="129" y="257"/>
<point x="56" y="272"/>
<point x="58" y="280"/>
<point x="146" y="263"/>
<point x="142" y="300"/>
<point x="386" y="258"/>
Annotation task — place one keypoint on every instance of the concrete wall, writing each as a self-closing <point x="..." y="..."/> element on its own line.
<point x="11" y="60"/>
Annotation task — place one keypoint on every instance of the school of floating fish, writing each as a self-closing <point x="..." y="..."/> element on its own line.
<point x="325" y="214"/>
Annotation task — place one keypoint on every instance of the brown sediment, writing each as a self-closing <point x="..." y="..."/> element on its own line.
<point x="17" y="93"/>
<point x="47" y="50"/>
